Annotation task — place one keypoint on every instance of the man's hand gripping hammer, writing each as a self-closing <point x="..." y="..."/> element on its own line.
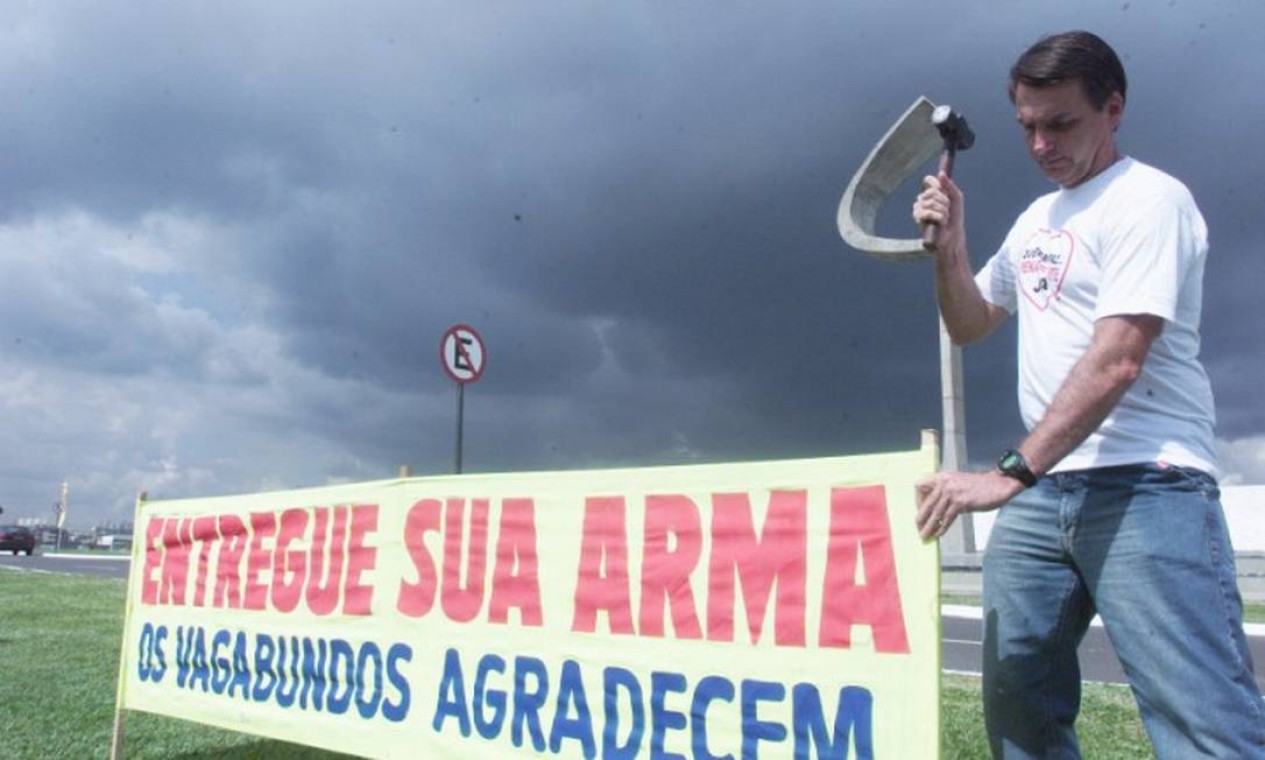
<point x="957" y="135"/>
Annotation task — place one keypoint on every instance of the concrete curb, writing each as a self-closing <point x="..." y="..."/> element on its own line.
<point x="963" y="612"/>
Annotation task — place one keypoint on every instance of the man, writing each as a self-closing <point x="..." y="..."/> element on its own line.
<point x="1110" y="501"/>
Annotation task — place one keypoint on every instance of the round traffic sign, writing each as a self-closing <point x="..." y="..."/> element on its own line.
<point x="462" y="354"/>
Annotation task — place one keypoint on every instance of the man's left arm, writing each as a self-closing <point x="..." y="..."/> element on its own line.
<point x="1097" y="382"/>
<point x="1092" y="389"/>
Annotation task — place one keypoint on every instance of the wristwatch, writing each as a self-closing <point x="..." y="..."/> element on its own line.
<point x="1013" y="465"/>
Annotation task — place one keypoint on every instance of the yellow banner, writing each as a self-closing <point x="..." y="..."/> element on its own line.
<point x="770" y="609"/>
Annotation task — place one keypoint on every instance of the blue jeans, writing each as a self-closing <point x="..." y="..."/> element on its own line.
<point x="1146" y="547"/>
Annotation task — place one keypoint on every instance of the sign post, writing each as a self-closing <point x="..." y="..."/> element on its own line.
<point x="463" y="357"/>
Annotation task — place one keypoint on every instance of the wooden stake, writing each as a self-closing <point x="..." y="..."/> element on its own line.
<point x="138" y="556"/>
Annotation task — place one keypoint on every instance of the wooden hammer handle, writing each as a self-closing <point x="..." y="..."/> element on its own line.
<point x="931" y="230"/>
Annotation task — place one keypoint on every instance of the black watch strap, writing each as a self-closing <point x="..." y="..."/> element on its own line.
<point x="1013" y="465"/>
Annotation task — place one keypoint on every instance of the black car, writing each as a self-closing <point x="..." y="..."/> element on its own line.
<point x="15" y="538"/>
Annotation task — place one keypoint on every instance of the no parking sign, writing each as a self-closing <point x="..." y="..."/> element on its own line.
<point x="462" y="354"/>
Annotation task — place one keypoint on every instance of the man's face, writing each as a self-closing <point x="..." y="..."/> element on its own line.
<point x="1069" y="140"/>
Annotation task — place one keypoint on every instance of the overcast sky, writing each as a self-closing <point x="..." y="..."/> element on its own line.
<point x="232" y="234"/>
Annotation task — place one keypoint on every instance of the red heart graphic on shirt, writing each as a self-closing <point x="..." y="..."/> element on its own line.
<point x="1043" y="265"/>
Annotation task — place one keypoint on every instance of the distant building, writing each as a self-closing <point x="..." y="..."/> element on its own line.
<point x="112" y="536"/>
<point x="46" y="535"/>
<point x="113" y="529"/>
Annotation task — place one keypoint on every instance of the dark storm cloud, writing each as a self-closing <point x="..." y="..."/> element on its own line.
<point x="635" y="205"/>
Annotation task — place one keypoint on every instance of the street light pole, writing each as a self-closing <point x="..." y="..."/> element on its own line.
<point x="961" y="537"/>
<point x="61" y="512"/>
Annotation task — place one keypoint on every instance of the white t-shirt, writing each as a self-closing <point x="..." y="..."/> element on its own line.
<point x="1128" y="241"/>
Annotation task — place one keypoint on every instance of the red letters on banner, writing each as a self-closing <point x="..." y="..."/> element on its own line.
<point x="254" y="563"/>
<point x="666" y="570"/>
<point x="315" y="558"/>
<point x="602" y="581"/>
<point x="860" y="530"/>
<point x="515" y="582"/>
<point x="671" y="555"/>
<point x="779" y="553"/>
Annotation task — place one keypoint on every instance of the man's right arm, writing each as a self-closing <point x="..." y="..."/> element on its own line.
<point x="967" y="316"/>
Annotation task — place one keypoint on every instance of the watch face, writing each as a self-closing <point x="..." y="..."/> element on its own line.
<point x="1012" y="465"/>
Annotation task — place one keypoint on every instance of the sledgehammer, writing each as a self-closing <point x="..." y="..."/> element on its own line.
<point x="957" y="135"/>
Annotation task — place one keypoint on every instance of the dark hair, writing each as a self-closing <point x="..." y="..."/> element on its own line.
<point x="1062" y="57"/>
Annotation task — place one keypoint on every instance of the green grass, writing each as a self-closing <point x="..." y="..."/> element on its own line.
<point x="59" y="643"/>
<point x="1108" y="727"/>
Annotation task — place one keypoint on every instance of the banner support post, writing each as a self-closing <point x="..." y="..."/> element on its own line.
<point x="138" y="559"/>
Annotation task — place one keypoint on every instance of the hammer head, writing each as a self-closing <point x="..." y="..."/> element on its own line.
<point x="954" y="130"/>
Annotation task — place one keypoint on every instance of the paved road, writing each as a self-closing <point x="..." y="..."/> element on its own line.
<point x="962" y="649"/>
<point x="97" y="565"/>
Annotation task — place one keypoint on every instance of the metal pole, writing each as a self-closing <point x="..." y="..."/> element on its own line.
<point x="461" y="413"/>
<point x="953" y="404"/>
<point x="61" y="513"/>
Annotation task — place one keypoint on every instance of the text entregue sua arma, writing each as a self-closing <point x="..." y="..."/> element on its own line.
<point x="322" y="561"/>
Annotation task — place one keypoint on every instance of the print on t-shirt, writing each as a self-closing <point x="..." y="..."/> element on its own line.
<point x="1044" y="264"/>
